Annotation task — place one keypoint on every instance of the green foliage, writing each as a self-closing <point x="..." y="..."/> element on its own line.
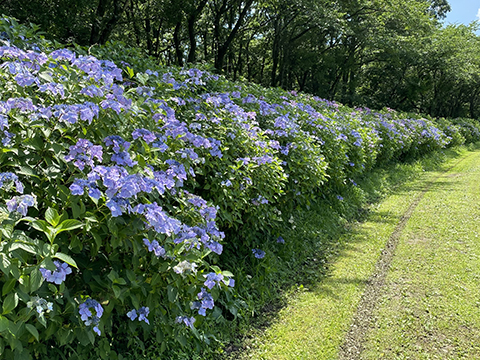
<point x="120" y="183"/>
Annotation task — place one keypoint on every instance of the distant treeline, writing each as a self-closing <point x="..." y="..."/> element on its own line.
<point x="375" y="53"/>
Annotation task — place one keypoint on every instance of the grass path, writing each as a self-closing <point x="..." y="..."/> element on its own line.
<point x="406" y="286"/>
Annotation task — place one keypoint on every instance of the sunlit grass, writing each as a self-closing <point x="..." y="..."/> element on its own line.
<point x="430" y="309"/>
<point x="314" y="322"/>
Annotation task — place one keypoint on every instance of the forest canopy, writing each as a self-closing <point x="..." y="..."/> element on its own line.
<point x="374" y="53"/>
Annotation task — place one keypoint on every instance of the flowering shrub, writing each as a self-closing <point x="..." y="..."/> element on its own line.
<point x="121" y="185"/>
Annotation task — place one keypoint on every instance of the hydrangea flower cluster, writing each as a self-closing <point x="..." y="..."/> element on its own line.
<point x="21" y="203"/>
<point x="206" y="302"/>
<point x="155" y="247"/>
<point x="120" y="146"/>
<point x="188" y="321"/>
<point x="58" y="275"/>
<point x="259" y="254"/>
<point x="41" y="305"/>
<point x="8" y="177"/>
<point x="183" y="266"/>
<point x="88" y="317"/>
<point x="141" y="313"/>
<point x="83" y="153"/>
<point x="213" y="279"/>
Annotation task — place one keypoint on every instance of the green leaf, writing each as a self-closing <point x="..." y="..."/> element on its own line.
<point x="3" y="323"/>
<point x="172" y="293"/>
<point x="143" y="78"/>
<point x="67" y="225"/>
<point x="4" y="263"/>
<point x="32" y="330"/>
<point x="76" y="210"/>
<point x="10" y="303"/>
<point x="25" y="170"/>
<point x="8" y="286"/>
<point x="42" y="225"/>
<point x="27" y="247"/>
<point x="46" y="76"/>
<point x="51" y="215"/>
<point x="117" y="291"/>
<point x="36" y="279"/>
<point x="65" y="258"/>
<point x="130" y="72"/>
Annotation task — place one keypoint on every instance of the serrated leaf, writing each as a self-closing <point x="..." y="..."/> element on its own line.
<point x="117" y="291"/>
<point x="66" y="258"/>
<point x="143" y="78"/>
<point x="41" y="225"/>
<point x="172" y="294"/>
<point x="76" y="210"/>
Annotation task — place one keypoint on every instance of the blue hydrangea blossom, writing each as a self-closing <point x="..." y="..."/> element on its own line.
<point x="58" y="275"/>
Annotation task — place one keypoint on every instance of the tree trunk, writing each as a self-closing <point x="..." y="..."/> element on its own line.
<point x="176" y="40"/>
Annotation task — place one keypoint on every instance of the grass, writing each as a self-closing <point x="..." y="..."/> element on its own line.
<point x="430" y="307"/>
<point x="312" y="313"/>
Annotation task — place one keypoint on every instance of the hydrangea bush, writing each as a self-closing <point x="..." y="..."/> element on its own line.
<point x="122" y="183"/>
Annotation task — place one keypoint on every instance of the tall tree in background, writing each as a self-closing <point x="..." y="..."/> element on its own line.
<point x="371" y="52"/>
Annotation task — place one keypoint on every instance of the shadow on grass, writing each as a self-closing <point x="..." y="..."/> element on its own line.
<point x="329" y="231"/>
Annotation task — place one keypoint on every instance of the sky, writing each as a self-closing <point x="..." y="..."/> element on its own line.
<point x="463" y="11"/>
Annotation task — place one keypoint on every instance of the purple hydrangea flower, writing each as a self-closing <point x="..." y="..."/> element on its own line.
<point x="25" y="79"/>
<point x="155" y="247"/>
<point x="141" y="313"/>
<point x="259" y="254"/>
<point x="186" y="320"/>
<point x="118" y="206"/>
<point x="145" y="134"/>
<point x="212" y="279"/>
<point x="10" y="177"/>
<point x="3" y="122"/>
<point x="206" y="302"/>
<point x="89" y="318"/>
<point x="158" y="219"/>
<point x="83" y="153"/>
<point x="58" y="275"/>
<point x="21" y="204"/>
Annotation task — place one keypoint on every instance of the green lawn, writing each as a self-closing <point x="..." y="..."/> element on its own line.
<point x="429" y="305"/>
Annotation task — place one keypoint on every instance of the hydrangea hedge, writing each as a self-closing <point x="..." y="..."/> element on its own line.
<point x="121" y="182"/>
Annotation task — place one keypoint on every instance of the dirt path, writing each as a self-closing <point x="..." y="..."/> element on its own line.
<point x="406" y="285"/>
<point x="354" y="340"/>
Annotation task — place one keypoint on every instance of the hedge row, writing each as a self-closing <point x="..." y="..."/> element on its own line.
<point x="121" y="182"/>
